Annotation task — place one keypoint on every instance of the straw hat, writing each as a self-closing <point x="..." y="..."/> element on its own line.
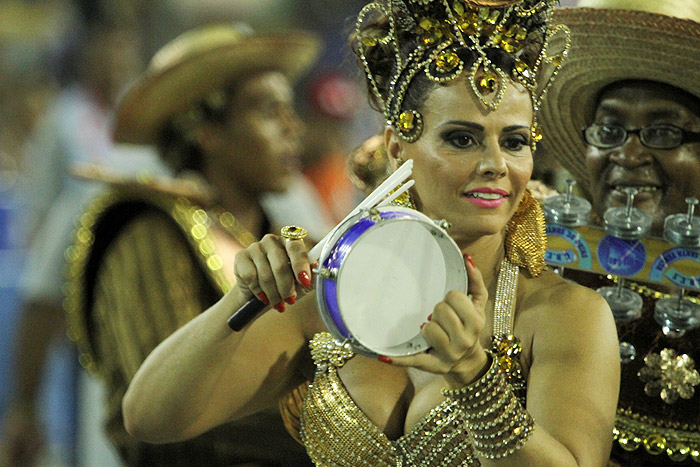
<point x="197" y="63"/>
<point x="655" y="40"/>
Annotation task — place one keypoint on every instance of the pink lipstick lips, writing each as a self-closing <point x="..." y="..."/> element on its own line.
<point x="487" y="198"/>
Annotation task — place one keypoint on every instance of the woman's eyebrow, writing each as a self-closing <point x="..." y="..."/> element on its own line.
<point x="472" y="125"/>
<point x="476" y="126"/>
<point x="515" y="128"/>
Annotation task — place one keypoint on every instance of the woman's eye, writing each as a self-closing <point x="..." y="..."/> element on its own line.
<point x="515" y="142"/>
<point x="461" y="139"/>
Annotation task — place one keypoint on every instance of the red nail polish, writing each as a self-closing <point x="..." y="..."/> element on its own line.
<point x="430" y="316"/>
<point x="422" y="325"/>
<point x="280" y="307"/>
<point x="291" y="300"/>
<point x="263" y="298"/>
<point x="469" y="258"/>
<point x="384" y="359"/>
<point x="304" y="279"/>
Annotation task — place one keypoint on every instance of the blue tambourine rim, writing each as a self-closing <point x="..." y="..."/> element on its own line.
<point x="337" y="256"/>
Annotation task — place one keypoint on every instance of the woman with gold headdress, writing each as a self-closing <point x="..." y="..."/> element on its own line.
<point x="522" y="370"/>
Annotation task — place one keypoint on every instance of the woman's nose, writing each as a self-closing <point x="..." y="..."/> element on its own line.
<point x="492" y="163"/>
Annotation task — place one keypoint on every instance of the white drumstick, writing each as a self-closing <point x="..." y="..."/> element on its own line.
<point x="401" y="190"/>
<point x="396" y="178"/>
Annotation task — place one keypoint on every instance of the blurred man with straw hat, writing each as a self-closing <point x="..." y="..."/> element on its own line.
<point x="625" y="112"/>
<point x="217" y="103"/>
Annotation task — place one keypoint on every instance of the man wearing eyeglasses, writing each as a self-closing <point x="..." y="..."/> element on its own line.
<point x="642" y="136"/>
<point x="624" y="111"/>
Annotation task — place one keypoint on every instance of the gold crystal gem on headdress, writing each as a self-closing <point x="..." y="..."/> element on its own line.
<point x="536" y="136"/>
<point x="406" y="121"/>
<point x="669" y="375"/>
<point x="556" y="60"/>
<point x="410" y="125"/>
<point x="468" y="26"/>
<point x="447" y="61"/>
<point x="536" y="133"/>
<point x="433" y="32"/>
<point x="522" y="68"/>
<point x="489" y="16"/>
<point x="509" y="44"/>
<point x="488" y="82"/>
<point x="428" y="23"/>
<point x="510" y="40"/>
<point x="368" y="41"/>
<point x="467" y="18"/>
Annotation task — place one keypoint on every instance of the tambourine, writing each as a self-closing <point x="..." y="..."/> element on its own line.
<point x="381" y="273"/>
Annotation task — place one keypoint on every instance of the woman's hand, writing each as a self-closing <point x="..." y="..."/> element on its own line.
<point x="275" y="269"/>
<point x="453" y="331"/>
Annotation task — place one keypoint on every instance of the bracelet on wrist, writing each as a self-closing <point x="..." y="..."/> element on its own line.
<point x="498" y="423"/>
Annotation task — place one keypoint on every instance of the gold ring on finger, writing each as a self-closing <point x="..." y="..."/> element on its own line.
<point x="293" y="232"/>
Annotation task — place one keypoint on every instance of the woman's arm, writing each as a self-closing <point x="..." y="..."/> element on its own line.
<point x="573" y="382"/>
<point x="204" y="374"/>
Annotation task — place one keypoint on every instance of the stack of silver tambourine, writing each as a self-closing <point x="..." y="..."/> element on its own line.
<point x="625" y="249"/>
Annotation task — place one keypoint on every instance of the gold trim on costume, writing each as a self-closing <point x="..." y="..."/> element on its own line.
<point x="192" y="220"/>
<point x="677" y="440"/>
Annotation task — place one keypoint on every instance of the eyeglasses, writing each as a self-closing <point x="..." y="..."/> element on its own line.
<point x="605" y="136"/>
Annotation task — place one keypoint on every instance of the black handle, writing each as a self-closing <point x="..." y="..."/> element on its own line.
<point x="245" y="314"/>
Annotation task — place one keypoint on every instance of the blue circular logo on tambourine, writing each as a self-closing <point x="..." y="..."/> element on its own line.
<point x="578" y="251"/>
<point x="621" y="257"/>
<point x="662" y="267"/>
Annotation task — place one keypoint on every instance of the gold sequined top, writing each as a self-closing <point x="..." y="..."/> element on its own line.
<point x="144" y="263"/>
<point x="337" y="433"/>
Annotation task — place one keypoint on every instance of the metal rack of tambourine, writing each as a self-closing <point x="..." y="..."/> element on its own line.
<point x="623" y="247"/>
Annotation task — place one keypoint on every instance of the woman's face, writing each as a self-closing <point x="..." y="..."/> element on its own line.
<point x="470" y="165"/>
<point x="261" y="141"/>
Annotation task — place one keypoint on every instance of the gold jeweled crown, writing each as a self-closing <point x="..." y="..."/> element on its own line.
<point x="441" y="30"/>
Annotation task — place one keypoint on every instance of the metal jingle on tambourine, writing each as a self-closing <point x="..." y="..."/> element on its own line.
<point x="684" y="230"/>
<point x="569" y="211"/>
<point x="679" y="231"/>
<point x="625" y="304"/>
<point x="677" y="316"/>
<point x="628" y="224"/>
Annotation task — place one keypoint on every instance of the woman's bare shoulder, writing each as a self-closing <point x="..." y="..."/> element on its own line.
<point x="565" y="321"/>
<point x="551" y="297"/>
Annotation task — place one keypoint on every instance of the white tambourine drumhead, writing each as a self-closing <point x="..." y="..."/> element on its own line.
<point x="381" y="275"/>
